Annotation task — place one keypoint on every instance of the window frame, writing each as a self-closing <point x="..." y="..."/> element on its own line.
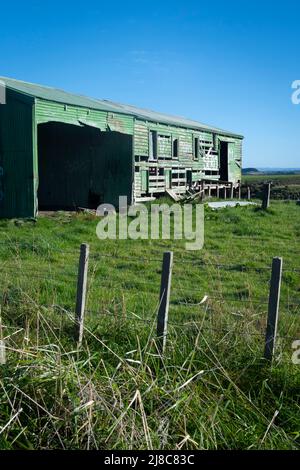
<point x="196" y="147"/>
<point x="168" y="136"/>
<point x="174" y="139"/>
<point x="153" y="147"/>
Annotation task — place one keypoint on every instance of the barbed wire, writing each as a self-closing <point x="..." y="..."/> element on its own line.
<point x="185" y="324"/>
<point x="176" y="290"/>
<point x="53" y="271"/>
<point x="191" y="262"/>
<point x="36" y="276"/>
<point x="25" y="270"/>
<point x="152" y="258"/>
<point x="228" y="300"/>
<point x="173" y="324"/>
<point x="29" y="276"/>
<point x="179" y="291"/>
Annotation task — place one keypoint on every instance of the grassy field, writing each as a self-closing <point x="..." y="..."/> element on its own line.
<point x="284" y="186"/>
<point x="280" y="178"/>
<point x="213" y="389"/>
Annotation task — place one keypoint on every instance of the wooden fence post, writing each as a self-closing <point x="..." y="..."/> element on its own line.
<point x="2" y="352"/>
<point x="273" y="309"/>
<point x="2" y="344"/>
<point x="240" y="190"/>
<point x="81" y="290"/>
<point x="248" y="193"/>
<point x="266" y="196"/>
<point x="202" y="191"/>
<point x="164" y="298"/>
<point x="231" y="190"/>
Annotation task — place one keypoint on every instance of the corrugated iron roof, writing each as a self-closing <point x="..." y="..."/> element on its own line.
<point x="61" y="96"/>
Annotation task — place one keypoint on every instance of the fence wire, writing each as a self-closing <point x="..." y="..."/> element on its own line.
<point x="179" y="293"/>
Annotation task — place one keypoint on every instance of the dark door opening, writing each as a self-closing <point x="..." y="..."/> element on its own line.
<point x="223" y="161"/>
<point x="189" y="178"/>
<point x="82" y="166"/>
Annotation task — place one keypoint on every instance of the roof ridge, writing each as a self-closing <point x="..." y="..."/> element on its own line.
<point x="61" y="96"/>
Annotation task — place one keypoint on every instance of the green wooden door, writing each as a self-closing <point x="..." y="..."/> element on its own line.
<point x="233" y="167"/>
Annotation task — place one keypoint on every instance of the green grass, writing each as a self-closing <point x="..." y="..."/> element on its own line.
<point x="280" y="178"/>
<point x="213" y="389"/>
<point x="284" y="186"/>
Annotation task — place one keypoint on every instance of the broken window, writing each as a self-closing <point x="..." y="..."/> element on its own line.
<point x="153" y="171"/>
<point x="164" y="146"/>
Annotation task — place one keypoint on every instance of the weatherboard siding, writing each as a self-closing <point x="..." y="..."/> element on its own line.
<point x="206" y="165"/>
<point x="46" y="111"/>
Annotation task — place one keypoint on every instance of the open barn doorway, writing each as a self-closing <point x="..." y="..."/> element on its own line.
<point x="80" y="166"/>
<point x="223" y="161"/>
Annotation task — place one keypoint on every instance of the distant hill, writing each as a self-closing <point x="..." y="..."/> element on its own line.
<point x="270" y="171"/>
<point x="280" y="171"/>
<point x="250" y="171"/>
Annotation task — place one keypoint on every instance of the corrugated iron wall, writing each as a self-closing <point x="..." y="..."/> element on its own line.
<point x="46" y="111"/>
<point x="109" y="159"/>
<point x="16" y="156"/>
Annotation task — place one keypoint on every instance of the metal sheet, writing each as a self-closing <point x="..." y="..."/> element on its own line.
<point x="60" y="96"/>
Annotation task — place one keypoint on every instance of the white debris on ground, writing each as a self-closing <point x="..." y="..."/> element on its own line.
<point x="221" y="204"/>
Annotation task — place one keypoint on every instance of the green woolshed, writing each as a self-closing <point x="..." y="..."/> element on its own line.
<point x="60" y="151"/>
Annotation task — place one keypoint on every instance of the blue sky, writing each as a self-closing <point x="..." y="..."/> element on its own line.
<point x="226" y="63"/>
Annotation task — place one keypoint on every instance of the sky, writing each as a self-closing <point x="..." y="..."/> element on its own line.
<point x="228" y="63"/>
